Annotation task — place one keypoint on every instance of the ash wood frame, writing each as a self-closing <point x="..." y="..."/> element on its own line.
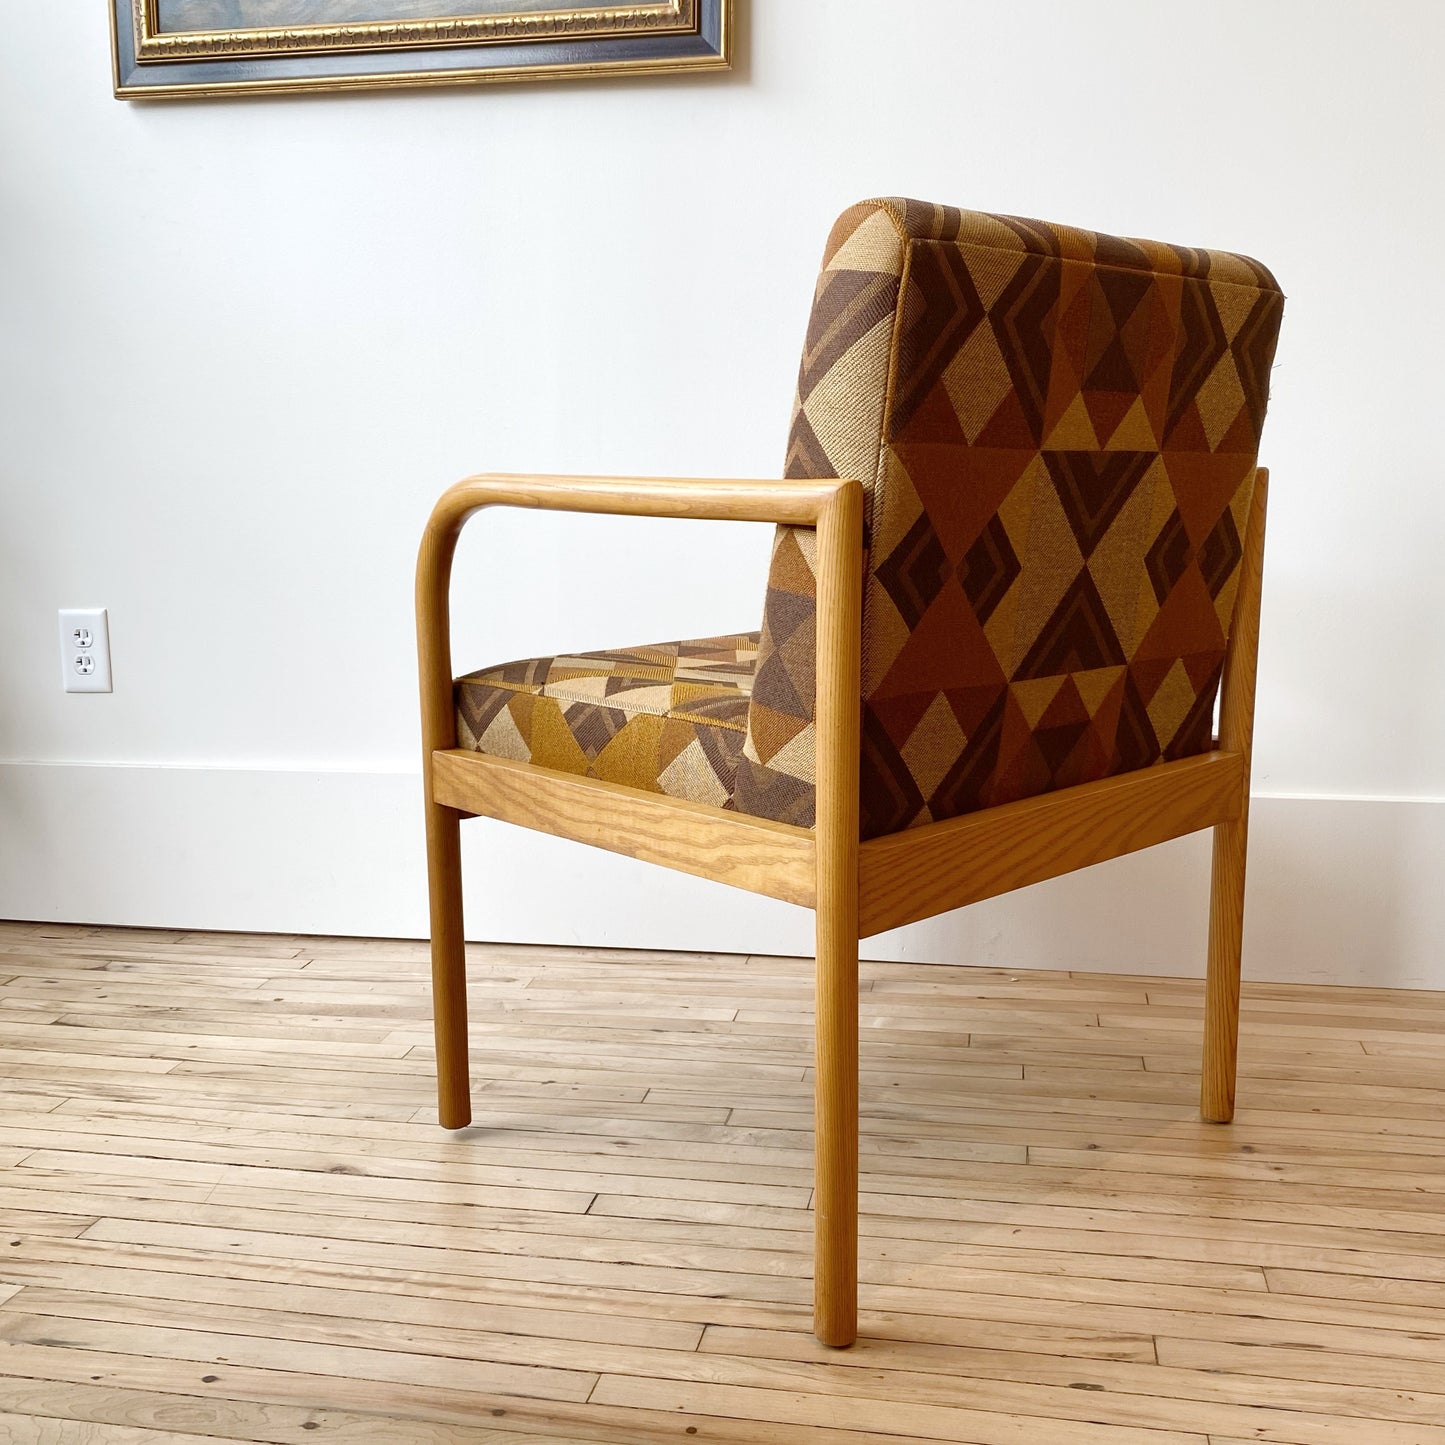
<point x="855" y="890"/>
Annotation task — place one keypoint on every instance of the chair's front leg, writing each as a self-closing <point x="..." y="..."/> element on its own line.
<point x="835" y="1109"/>
<point x="443" y="825"/>
<point x="835" y="1084"/>
<point x="448" y="964"/>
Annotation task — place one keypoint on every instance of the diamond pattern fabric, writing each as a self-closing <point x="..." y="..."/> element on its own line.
<point x="669" y="718"/>
<point x="1058" y="433"/>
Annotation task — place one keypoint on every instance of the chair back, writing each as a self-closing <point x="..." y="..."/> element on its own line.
<point x="1058" y="433"/>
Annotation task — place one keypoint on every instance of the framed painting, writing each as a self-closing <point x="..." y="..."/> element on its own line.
<point x="167" y="48"/>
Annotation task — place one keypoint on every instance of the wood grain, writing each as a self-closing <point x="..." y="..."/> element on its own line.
<point x="839" y="619"/>
<point x="443" y="831"/>
<point x="222" y="1245"/>
<point x="797" y="501"/>
<point x="924" y="871"/>
<point x="1231" y="838"/>
<point x="752" y="853"/>
<point x="533" y="797"/>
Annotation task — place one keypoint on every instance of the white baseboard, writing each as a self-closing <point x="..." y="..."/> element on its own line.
<point x="1341" y="890"/>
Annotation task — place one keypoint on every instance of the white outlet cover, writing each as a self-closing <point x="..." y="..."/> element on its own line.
<point x="84" y="649"/>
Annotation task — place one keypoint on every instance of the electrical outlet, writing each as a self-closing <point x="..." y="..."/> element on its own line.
<point x="84" y="649"/>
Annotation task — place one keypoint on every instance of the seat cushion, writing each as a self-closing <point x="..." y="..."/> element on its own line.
<point x="670" y="717"/>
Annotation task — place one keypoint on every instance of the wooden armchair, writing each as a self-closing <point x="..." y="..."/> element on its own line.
<point x="1019" y="544"/>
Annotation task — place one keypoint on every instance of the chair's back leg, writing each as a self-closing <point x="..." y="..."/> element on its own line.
<point x="1226" y="896"/>
<point x="1221" y="1004"/>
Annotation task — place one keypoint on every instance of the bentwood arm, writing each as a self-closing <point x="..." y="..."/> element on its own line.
<point x="834" y="508"/>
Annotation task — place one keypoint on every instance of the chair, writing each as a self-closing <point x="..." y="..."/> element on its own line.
<point x="1019" y="544"/>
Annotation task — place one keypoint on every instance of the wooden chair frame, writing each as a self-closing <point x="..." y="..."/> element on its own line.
<point x="856" y="890"/>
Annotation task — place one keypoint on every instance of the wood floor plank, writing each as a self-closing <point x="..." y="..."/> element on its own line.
<point x="333" y="1298"/>
<point x="914" y="1421"/>
<point x="368" y="1362"/>
<point x="46" y="1430"/>
<point x="57" y="1406"/>
<point x="1202" y="1395"/>
<point x="433" y="1413"/>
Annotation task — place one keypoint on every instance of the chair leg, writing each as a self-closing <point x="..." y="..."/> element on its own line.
<point x="835" y="1107"/>
<point x="448" y="965"/>
<point x="1221" y="1002"/>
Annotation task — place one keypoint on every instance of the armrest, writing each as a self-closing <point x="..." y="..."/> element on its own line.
<point x="798" y="502"/>
<point x="834" y="506"/>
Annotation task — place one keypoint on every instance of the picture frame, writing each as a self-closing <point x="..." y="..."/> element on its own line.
<point x="167" y="49"/>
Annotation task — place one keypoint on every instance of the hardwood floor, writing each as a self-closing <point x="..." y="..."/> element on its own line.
<point x="226" y="1211"/>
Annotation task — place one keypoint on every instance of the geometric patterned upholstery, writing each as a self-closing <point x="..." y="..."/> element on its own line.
<point x="668" y="718"/>
<point x="1057" y="431"/>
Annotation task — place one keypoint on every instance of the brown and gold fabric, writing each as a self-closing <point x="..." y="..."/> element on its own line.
<point x="1058" y="431"/>
<point x="669" y="718"/>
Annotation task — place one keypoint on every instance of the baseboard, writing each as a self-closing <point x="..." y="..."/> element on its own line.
<point x="1341" y="890"/>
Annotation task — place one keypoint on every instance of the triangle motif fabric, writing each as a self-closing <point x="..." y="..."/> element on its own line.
<point x="1050" y="423"/>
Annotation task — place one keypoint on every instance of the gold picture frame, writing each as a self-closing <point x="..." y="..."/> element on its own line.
<point x="174" y="48"/>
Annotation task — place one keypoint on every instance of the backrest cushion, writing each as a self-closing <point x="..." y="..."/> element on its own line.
<point x="1058" y="432"/>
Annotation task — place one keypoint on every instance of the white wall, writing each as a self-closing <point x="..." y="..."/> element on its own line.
<point x="245" y="344"/>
